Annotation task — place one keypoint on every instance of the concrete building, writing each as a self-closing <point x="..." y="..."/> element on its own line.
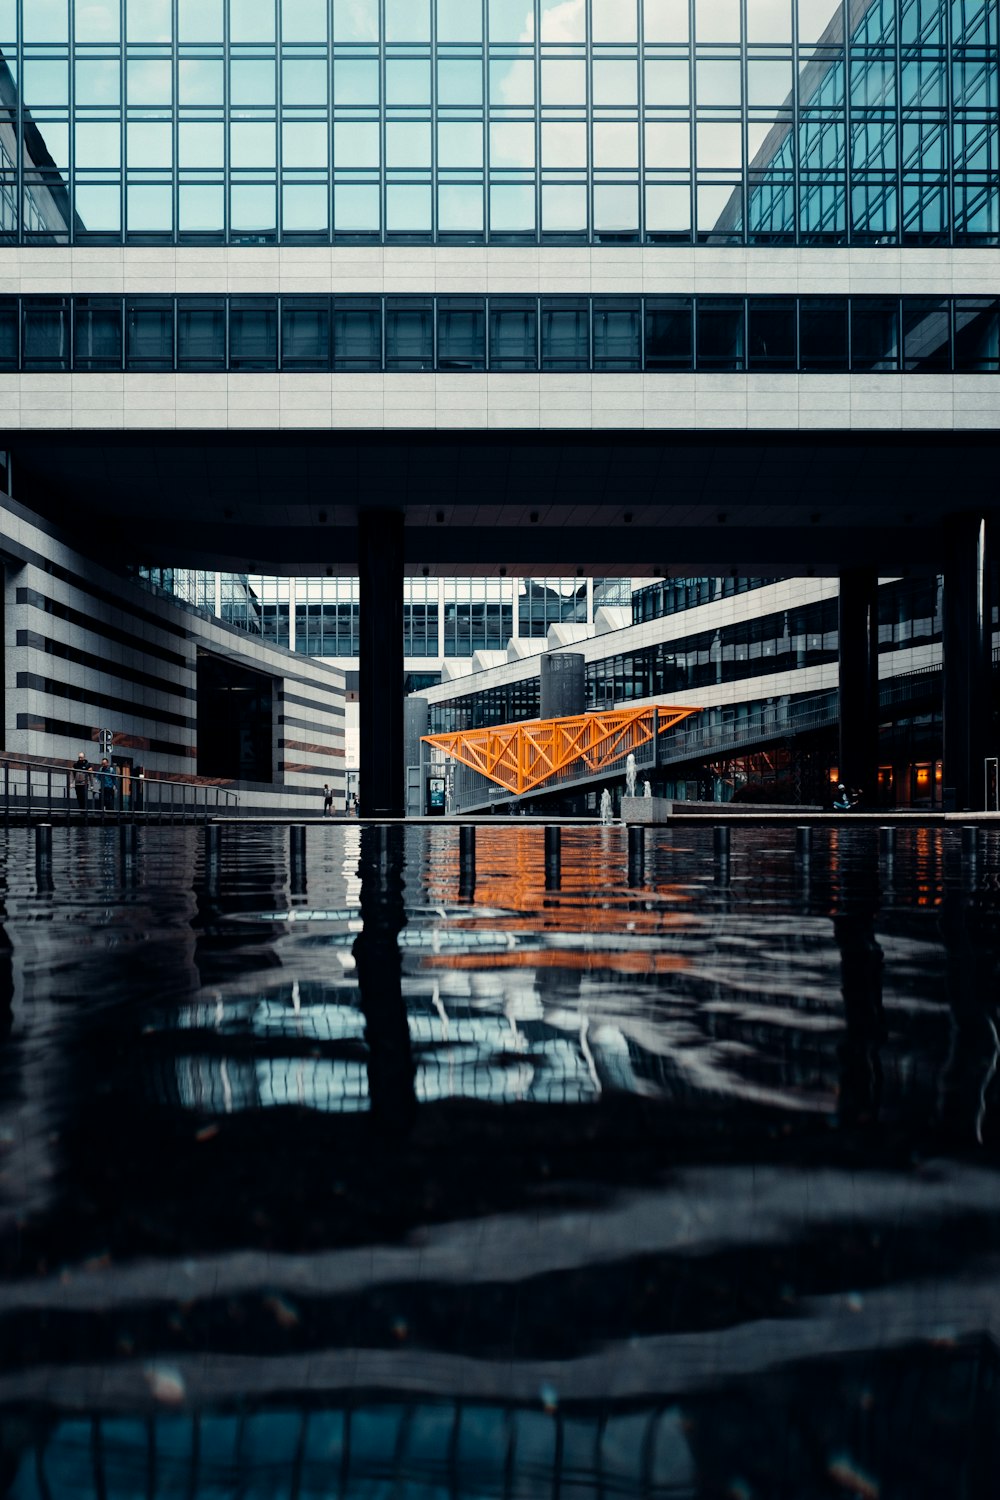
<point x="535" y="288"/>
<point x="182" y="695"/>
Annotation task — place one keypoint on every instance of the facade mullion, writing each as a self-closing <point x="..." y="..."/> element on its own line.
<point x="279" y="127"/>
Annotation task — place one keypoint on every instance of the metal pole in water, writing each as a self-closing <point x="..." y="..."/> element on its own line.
<point x="970" y="856"/>
<point x="722" y="845"/>
<point x="553" y="858"/>
<point x="213" y="857"/>
<point x="636" y="855"/>
<point x="127" y="845"/>
<point x="43" y="855"/>
<point x="803" y="842"/>
<point x="297" y="848"/>
<point x="467" y="863"/>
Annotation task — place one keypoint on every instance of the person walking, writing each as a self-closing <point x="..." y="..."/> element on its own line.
<point x="106" y="777"/>
<point x="327" y="800"/>
<point x="81" y="776"/>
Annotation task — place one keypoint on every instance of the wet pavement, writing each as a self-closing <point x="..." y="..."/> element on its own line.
<point x="419" y="1164"/>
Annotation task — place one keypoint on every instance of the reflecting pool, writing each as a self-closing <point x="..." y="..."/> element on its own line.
<point x="500" y="1162"/>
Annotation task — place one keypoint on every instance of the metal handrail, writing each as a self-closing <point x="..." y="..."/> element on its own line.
<point x="36" y="788"/>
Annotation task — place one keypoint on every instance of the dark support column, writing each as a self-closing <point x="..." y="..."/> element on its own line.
<point x="380" y="570"/>
<point x="858" y="623"/>
<point x="967" y="687"/>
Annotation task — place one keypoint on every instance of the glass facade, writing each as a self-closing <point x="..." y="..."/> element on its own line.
<point x="451" y="617"/>
<point x="808" y="335"/>
<point x="671" y="596"/>
<point x="613" y="121"/>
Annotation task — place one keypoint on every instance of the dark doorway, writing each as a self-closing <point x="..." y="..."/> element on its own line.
<point x="235" y="718"/>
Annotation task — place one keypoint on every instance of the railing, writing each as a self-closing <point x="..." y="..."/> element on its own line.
<point x="35" y="789"/>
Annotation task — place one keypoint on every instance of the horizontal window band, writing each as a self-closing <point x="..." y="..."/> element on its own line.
<point x="460" y="334"/>
<point x="31" y="681"/>
<point x="100" y="666"/>
<point x="82" y="621"/>
<point x="83" y="735"/>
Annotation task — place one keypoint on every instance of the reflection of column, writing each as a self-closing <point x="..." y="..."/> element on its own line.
<point x="6" y="983"/>
<point x="971" y="1065"/>
<point x="861" y="982"/>
<point x="379" y="969"/>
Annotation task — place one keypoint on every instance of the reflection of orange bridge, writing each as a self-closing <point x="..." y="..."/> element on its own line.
<point x="521" y="757"/>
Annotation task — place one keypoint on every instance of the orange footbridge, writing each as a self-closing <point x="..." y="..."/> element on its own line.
<point x="521" y="757"/>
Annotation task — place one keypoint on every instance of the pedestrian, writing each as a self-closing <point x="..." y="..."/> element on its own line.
<point x="327" y="800"/>
<point x="842" y="801"/>
<point x="106" y="776"/>
<point x="81" y="780"/>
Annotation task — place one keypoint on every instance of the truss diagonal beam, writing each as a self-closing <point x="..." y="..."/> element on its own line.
<point x="521" y="757"/>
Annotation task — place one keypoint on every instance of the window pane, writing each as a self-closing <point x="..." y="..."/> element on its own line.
<point x="926" y="334"/>
<point x="565" y="335"/>
<point x="409" y="335"/>
<point x="305" y="334"/>
<point x="617" y="335"/>
<point x="823" y="334"/>
<point x="977" y="333"/>
<point x="513" y="336"/>
<point x="357" y="335"/>
<point x="669" y="334"/>
<point x="201" y="334"/>
<point x="772" y="334"/>
<point x="46" y="335"/>
<point x="461" y="332"/>
<point x="253" y="334"/>
<point x="150" y="330"/>
<point x="8" y="334"/>
<point x="874" y="334"/>
<point x="720" y="334"/>
<point x="97" y="334"/>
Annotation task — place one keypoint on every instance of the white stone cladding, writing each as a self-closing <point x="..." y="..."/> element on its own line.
<point x="511" y="401"/>
<point x="475" y="269"/>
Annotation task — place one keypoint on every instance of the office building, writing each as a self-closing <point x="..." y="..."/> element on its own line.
<point x="758" y="661"/>
<point x="377" y="289"/>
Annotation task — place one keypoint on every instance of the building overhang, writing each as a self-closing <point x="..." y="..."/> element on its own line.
<point x="617" y="503"/>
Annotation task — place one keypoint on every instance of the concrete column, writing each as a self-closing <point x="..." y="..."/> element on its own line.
<point x="380" y="685"/>
<point x="858" y="623"/>
<point x="440" y="584"/>
<point x="967" y="663"/>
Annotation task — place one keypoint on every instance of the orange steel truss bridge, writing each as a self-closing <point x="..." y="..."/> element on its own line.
<point x="521" y="757"/>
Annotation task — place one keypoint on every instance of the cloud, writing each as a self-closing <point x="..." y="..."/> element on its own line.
<point x="565" y="22"/>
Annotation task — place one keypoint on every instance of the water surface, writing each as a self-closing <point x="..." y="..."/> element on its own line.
<point x="416" y="1170"/>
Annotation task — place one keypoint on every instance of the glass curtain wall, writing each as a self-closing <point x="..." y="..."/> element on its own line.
<point x="614" y="121"/>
